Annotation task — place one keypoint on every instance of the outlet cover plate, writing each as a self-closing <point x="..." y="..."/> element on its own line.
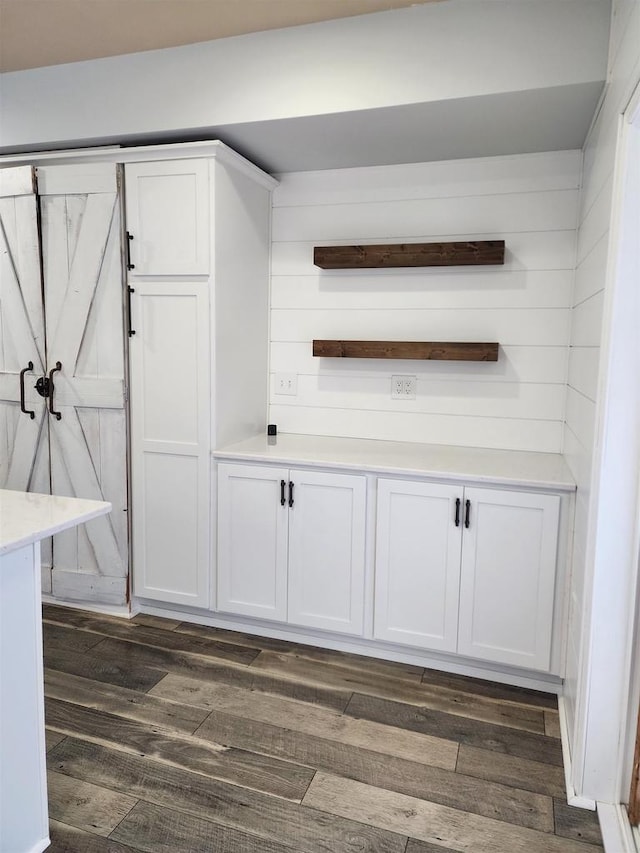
<point x="403" y="387"/>
<point x="286" y="383"/>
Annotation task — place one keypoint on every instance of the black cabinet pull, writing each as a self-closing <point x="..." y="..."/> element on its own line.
<point x="53" y="370"/>
<point x="467" y="513"/>
<point x="130" y="266"/>
<point x="24" y="410"/>
<point x="291" y="485"/>
<point x="130" y="290"/>
<point x="457" y="512"/>
<point x="282" y="488"/>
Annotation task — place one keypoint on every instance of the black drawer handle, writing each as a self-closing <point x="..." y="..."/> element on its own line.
<point x="291" y="485"/>
<point x="282" y="488"/>
<point x="457" y="512"/>
<point x="53" y="370"/>
<point x="130" y="266"/>
<point x="24" y="410"/>
<point x="467" y="513"/>
<point x="130" y="290"/>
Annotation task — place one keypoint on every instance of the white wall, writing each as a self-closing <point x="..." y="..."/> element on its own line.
<point x="594" y="775"/>
<point x="529" y="201"/>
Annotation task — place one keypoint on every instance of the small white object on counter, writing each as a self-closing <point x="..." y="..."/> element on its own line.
<point x="25" y="519"/>
<point x="471" y="464"/>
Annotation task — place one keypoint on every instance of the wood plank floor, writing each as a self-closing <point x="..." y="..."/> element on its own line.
<point x="167" y="736"/>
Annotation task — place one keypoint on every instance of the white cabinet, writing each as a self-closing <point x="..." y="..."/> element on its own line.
<point x="417" y="564"/>
<point x="168" y="217"/>
<point x="507" y="582"/>
<point x="197" y="353"/>
<point x="291" y="546"/>
<point x="252" y="541"/>
<point x="169" y="356"/>
<point x="467" y="570"/>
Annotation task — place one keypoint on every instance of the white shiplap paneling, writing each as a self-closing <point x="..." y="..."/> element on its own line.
<point x="591" y="776"/>
<point x="518" y="402"/>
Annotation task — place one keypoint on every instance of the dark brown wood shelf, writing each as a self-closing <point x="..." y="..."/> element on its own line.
<point x="428" y="350"/>
<point x="478" y="252"/>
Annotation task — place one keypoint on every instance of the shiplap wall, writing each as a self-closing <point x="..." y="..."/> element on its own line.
<point x="518" y="402"/>
<point x="587" y="314"/>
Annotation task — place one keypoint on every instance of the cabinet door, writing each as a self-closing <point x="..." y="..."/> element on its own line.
<point x="327" y="551"/>
<point x="508" y="577"/>
<point x="168" y="217"/>
<point x="417" y="564"/>
<point x="170" y="445"/>
<point x="252" y="541"/>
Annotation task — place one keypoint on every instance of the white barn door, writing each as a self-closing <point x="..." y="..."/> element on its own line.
<point x="83" y="297"/>
<point x="21" y="333"/>
<point x="24" y="428"/>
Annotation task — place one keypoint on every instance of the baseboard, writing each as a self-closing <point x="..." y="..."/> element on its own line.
<point x="573" y="799"/>
<point x="104" y="609"/>
<point x="617" y="834"/>
<point x="354" y="645"/>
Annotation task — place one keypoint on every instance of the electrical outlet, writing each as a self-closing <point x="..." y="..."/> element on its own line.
<point x="403" y="387"/>
<point x="286" y="383"/>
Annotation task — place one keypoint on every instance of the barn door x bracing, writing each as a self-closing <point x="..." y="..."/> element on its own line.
<point x="65" y="319"/>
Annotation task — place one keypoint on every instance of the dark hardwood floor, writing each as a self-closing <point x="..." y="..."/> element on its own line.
<point x="165" y="737"/>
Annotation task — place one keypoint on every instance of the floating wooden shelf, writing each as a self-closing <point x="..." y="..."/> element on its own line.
<point x="479" y="252"/>
<point x="432" y="350"/>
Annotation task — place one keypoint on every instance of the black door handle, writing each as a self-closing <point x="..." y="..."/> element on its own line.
<point x="291" y="485"/>
<point x="130" y="266"/>
<point x="130" y="290"/>
<point x="467" y="513"/>
<point x="24" y="410"/>
<point x="282" y="488"/>
<point x="457" y="512"/>
<point x="53" y="370"/>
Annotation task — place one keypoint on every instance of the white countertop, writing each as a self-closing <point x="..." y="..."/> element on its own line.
<point x="504" y="467"/>
<point x="26" y="517"/>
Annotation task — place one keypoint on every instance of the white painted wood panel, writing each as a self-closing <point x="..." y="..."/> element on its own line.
<point x="509" y="326"/>
<point x="508" y="576"/>
<point x="505" y="433"/>
<point x="443" y="179"/>
<point x="507" y="399"/>
<point x="253" y="528"/>
<point x="529" y="201"/>
<point x="240" y="320"/>
<point x="590" y="274"/>
<point x="327" y="551"/>
<point x="533" y="250"/>
<point x="583" y="370"/>
<point x="594" y="221"/>
<point x="537" y="211"/>
<point x="421" y="289"/>
<point x="417" y="564"/>
<point x="586" y="329"/>
<point x="170" y="441"/>
<point x="168" y="217"/>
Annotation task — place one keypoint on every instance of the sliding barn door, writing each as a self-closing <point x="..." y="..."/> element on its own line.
<point x="82" y="269"/>
<point x="24" y="461"/>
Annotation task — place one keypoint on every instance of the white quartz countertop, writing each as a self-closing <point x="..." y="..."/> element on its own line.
<point x="471" y="464"/>
<point x="26" y="517"/>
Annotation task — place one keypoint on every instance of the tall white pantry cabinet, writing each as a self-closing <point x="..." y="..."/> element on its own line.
<point x="158" y="253"/>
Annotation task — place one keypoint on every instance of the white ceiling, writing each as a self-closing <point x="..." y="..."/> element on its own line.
<point x="449" y="79"/>
<point x="37" y="33"/>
